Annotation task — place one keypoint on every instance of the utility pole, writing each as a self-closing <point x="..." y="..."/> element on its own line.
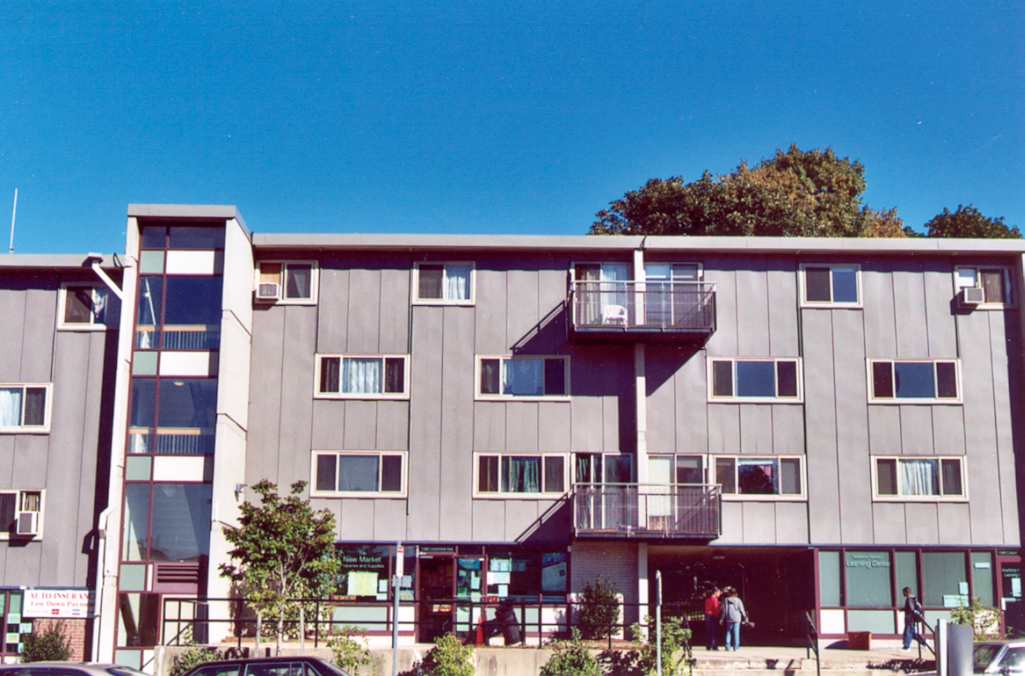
<point x="658" y="621"/>
<point x="396" y="584"/>
<point x="14" y="217"/>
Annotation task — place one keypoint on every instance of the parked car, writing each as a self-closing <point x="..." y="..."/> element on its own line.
<point x="999" y="657"/>
<point x="268" y="666"/>
<point x="67" y="669"/>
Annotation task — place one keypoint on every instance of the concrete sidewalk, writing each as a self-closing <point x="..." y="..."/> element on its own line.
<point x="791" y="660"/>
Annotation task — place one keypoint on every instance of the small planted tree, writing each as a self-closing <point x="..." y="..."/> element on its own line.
<point x="572" y="658"/>
<point x="349" y="653"/>
<point x="282" y="551"/>
<point x="598" y="611"/>
<point x="985" y="622"/>
<point x="675" y="646"/>
<point x="50" y="645"/>
<point x="449" y="657"/>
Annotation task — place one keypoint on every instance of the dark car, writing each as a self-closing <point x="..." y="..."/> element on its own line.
<point x="268" y="666"/>
<point x="67" y="669"/>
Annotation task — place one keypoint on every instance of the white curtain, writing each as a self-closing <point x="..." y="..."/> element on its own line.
<point x="660" y="475"/>
<point x="919" y="477"/>
<point x="524" y="377"/>
<point x="361" y="376"/>
<point x="457" y="282"/>
<point x="10" y="406"/>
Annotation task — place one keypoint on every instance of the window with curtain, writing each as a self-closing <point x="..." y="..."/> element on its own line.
<point x="362" y="376"/>
<point x="444" y="282"/>
<point x="918" y="477"/>
<point x="23" y="407"/>
<point x="521" y="474"/>
<point x="523" y="376"/>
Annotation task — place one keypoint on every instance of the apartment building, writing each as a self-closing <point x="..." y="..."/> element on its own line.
<point x="816" y="422"/>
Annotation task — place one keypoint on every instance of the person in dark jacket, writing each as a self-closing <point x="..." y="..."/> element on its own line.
<point x="912" y="615"/>
<point x="733" y="615"/>
<point x="713" y="610"/>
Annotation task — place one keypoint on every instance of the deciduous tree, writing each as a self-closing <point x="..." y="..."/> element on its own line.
<point x="967" y="221"/>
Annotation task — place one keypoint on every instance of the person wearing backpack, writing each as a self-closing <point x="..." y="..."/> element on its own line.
<point x="912" y="615"/>
<point x="733" y="615"/>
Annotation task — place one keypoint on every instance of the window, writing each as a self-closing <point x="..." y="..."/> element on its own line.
<point x="287" y="282"/>
<point x="780" y="477"/>
<point x="914" y="382"/>
<point x="21" y="515"/>
<point x="82" y="307"/>
<point x="520" y="377"/>
<point x="755" y="380"/>
<point x="520" y="475"/>
<point x="919" y="478"/>
<point x="831" y="285"/>
<point x="25" y="407"/>
<point x="443" y="283"/>
<point x="172" y="416"/>
<point x="669" y="469"/>
<point x="359" y="473"/>
<point x="596" y="468"/>
<point x="362" y="376"/>
<point x="166" y="522"/>
<point x="178" y="313"/>
<point x="995" y="283"/>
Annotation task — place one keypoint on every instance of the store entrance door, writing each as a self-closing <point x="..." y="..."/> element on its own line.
<point x="1009" y="586"/>
<point x="436" y="580"/>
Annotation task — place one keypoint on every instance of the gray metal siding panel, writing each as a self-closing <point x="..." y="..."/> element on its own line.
<point x="690" y="388"/>
<point x="788" y="428"/>
<point x="489" y="426"/>
<point x="392" y="426"/>
<point x="909" y="306"/>
<point x="820" y="412"/>
<point x="756" y="428"/>
<point x="888" y="521"/>
<point x="723" y="428"/>
<point x="884" y="430"/>
<point x="916" y="430"/>
<point x="851" y="425"/>
<point x="724" y="342"/>
<point x="333" y="312"/>
<point x="922" y="523"/>
<point x="263" y="441"/>
<point x="781" y="279"/>
<point x="491" y="311"/>
<point x="939" y="301"/>
<point x="296" y="403"/>
<point x="878" y="313"/>
<point x="328" y="425"/>
<point x="360" y="433"/>
<point x="424" y="423"/>
<point x="363" y="326"/>
<point x="521" y="424"/>
<point x="554" y="427"/>
<point x="457" y="425"/>
<point x="393" y="323"/>
<point x="752" y="311"/>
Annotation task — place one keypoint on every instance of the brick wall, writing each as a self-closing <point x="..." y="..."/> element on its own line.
<point x="74" y="630"/>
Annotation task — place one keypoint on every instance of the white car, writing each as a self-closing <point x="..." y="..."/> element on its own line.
<point x="999" y="657"/>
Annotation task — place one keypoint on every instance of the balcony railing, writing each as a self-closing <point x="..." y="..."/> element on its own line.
<point x="630" y="307"/>
<point x="672" y="511"/>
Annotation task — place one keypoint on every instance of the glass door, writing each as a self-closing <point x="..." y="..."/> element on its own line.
<point x="469" y="581"/>
<point x="1010" y="589"/>
<point x="658" y="501"/>
<point x="437" y="582"/>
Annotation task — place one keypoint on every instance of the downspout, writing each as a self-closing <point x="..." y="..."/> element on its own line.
<point x="94" y="259"/>
<point x="101" y="578"/>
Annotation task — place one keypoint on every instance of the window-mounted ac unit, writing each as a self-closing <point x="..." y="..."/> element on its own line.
<point x="27" y="524"/>
<point x="268" y="291"/>
<point x="972" y="295"/>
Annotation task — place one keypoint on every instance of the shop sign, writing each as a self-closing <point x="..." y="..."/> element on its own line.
<point x="427" y="550"/>
<point x="868" y="559"/>
<point x="57" y="603"/>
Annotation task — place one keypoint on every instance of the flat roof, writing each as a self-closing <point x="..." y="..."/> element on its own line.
<point x="58" y="261"/>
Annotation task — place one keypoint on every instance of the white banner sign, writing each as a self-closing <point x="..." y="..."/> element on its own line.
<point x="57" y="603"/>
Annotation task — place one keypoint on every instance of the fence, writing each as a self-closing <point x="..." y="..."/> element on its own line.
<point x="645" y="306"/>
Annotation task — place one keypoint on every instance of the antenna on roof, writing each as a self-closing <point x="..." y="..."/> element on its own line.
<point x="14" y="217"/>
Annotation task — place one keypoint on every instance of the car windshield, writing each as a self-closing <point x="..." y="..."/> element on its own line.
<point x="983" y="656"/>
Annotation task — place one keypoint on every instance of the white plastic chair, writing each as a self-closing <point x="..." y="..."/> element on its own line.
<point x="613" y="314"/>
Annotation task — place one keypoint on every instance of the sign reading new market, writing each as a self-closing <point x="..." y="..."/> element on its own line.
<point x="57" y="603"/>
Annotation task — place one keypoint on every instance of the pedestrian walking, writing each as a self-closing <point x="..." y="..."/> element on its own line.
<point x="912" y="616"/>
<point x="733" y="615"/>
<point x="713" y="611"/>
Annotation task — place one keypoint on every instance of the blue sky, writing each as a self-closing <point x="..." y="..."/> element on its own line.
<point x="520" y="117"/>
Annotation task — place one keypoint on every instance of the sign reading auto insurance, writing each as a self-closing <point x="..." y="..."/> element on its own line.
<point x="57" y="603"/>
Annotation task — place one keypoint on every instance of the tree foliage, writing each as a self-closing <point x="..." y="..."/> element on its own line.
<point x="350" y="653"/>
<point x="809" y="193"/>
<point x="572" y="658"/>
<point x="191" y="658"/>
<point x="282" y="551"/>
<point x="448" y="657"/>
<point x="598" y="611"/>
<point x="50" y="645"/>
<point x="967" y="221"/>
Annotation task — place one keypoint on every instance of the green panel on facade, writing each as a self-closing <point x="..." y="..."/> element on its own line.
<point x="868" y="579"/>
<point x="133" y="576"/>
<point x="946" y="585"/>
<point x="875" y="621"/>
<point x="829" y="579"/>
<point x="144" y="364"/>
<point x="982" y="577"/>
<point x="138" y="468"/>
<point x="362" y="617"/>
<point x="907" y="574"/>
<point x="151" y="262"/>
<point x="129" y="658"/>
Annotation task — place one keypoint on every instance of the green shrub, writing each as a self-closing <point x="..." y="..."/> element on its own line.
<point x="350" y="654"/>
<point x="571" y="658"/>
<point x="449" y="657"/>
<point x="50" y="646"/>
<point x="675" y="647"/>
<point x="191" y="658"/>
<point x="985" y="622"/>
<point x="598" y="610"/>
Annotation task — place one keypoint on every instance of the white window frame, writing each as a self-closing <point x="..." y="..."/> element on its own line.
<point x="736" y="458"/>
<point x="18" y="492"/>
<point x="803" y="286"/>
<point x="870" y="383"/>
<point x="734" y="398"/>
<point x="503" y="358"/>
<point x="1009" y="289"/>
<point x="700" y="266"/>
<point x="567" y="476"/>
<point x="602" y="455"/>
<point x="876" y="497"/>
<point x="62" y="299"/>
<point x="401" y="494"/>
<point x="317" y="394"/>
<point x="415" y="291"/>
<point x="284" y="263"/>
<point x="674" y="456"/>
<point x="31" y="429"/>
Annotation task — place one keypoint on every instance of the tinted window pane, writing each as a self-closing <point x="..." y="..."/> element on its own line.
<point x="868" y="579"/>
<point x="139" y="617"/>
<point x="845" y="285"/>
<point x="786" y="378"/>
<point x="136" y="524"/>
<point x="816" y="284"/>
<point x="993" y="283"/>
<point x="330" y="368"/>
<point x="943" y="572"/>
<point x="829" y="578"/>
<point x="524" y="377"/>
<point x="915" y="380"/>
<point x="790" y="476"/>
<point x="946" y="380"/>
<point x="193" y="300"/>
<point x="907" y="572"/>
<point x="722" y="378"/>
<point x="554" y="475"/>
<point x="394" y="375"/>
<point x="430" y="281"/>
<point x="555" y="377"/>
<point x="196" y="237"/>
<point x="78" y="305"/>
<point x="154" y="237"/>
<point x="188" y="403"/>
<point x="144" y="392"/>
<point x="150" y="311"/>
<point x="391" y="473"/>
<point x="181" y="522"/>
<point x="757" y="477"/>
<point x="8" y="505"/>
<point x="982" y="577"/>
<point x="886" y="477"/>
<point x="298" y="280"/>
<point x="490" y="370"/>
<point x="755" y="379"/>
<point x="326" y="472"/>
<point x="688" y="470"/>
<point x="35" y="406"/>
<point x="952" y="477"/>
<point x="618" y="469"/>
<point x="724" y="471"/>
<point x="882" y="379"/>
<point x="357" y="472"/>
<point x="487" y="471"/>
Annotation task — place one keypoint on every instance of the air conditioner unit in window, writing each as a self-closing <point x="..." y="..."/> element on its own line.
<point x="27" y="524"/>
<point x="972" y="295"/>
<point x="268" y="291"/>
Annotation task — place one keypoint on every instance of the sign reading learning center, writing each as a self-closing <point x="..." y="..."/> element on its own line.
<point x="57" y="603"/>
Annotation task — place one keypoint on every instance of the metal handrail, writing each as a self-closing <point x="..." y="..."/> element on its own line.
<point x="643" y="305"/>
<point x="648" y="510"/>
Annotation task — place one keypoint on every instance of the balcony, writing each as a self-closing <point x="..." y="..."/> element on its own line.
<point x="647" y="511"/>
<point x="642" y="310"/>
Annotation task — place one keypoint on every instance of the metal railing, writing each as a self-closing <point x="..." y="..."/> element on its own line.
<point x="685" y="307"/>
<point x="615" y="510"/>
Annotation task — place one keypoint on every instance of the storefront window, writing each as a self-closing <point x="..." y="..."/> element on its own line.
<point x="138" y="619"/>
<point x="829" y="579"/>
<point x="982" y="577"/>
<point x="946" y="585"/>
<point x="868" y="579"/>
<point x="365" y="572"/>
<point x="554" y="575"/>
<point x="907" y="574"/>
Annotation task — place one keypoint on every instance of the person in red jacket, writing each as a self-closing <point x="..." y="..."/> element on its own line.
<point x="713" y="608"/>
